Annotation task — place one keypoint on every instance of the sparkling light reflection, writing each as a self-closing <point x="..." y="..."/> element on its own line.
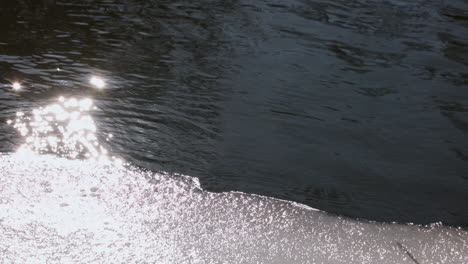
<point x="16" y="86"/>
<point x="97" y="82"/>
<point x="55" y="210"/>
<point x="64" y="128"/>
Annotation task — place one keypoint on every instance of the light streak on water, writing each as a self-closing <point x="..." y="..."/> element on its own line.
<point x="97" y="82"/>
<point x="64" y="128"/>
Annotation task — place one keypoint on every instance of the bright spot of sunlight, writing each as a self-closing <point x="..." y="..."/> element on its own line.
<point x="97" y="82"/>
<point x="64" y="128"/>
<point x="16" y="86"/>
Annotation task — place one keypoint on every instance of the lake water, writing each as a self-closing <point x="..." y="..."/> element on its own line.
<point x="357" y="108"/>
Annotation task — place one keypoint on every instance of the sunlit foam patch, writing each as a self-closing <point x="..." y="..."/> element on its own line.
<point x="64" y="128"/>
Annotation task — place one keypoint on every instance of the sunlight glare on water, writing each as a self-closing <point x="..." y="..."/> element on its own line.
<point x="54" y="210"/>
<point x="64" y="128"/>
<point x="16" y="86"/>
<point x="97" y="82"/>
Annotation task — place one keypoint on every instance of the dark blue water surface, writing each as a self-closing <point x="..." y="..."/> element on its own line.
<point x="355" y="107"/>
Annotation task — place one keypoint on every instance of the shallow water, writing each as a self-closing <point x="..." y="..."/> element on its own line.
<point x="358" y="108"/>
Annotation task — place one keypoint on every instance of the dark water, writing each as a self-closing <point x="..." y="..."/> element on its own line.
<point x="358" y="108"/>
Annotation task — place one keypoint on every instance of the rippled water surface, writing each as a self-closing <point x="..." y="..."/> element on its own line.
<point x="357" y="107"/>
